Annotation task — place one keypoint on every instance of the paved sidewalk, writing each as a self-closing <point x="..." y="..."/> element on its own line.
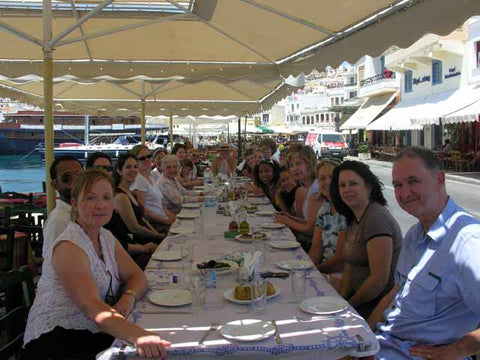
<point x="467" y="177"/>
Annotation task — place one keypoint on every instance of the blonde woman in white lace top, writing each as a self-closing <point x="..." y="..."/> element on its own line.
<point x="78" y="309"/>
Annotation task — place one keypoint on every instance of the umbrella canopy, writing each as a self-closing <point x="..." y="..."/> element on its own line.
<point x="184" y="35"/>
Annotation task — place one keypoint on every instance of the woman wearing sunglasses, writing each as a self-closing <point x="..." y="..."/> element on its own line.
<point x="148" y="193"/>
<point x="79" y="308"/>
<point x="127" y="205"/>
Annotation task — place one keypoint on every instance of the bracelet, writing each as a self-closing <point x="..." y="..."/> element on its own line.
<point x="132" y="293"/>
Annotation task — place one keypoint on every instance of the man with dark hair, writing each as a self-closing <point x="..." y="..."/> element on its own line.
<point x="100" y="160"/>
<point x="270" y="149"/>
<point x="433" y="312"/>
<point x="62" y="175"/>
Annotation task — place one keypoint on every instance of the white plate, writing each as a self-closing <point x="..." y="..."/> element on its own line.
<point x="191" y="205"/>
<point x="243" y="240"/>
<point x="294" y="264"/>
<point x="284" y="244"/>
<point x="265" y="213"/>
<point x="273" y="225"/>
<point x="259" y="201"/>
<point x="170" y="297"/>
<point x="187" y="215"/>
<point x="182" y="230"/>
<point x="170" y="255"/>
<point x="229" y="295"/>
<point x="323" y="305"/>
<point x="247" y="330"/>
<point x="221" y="271"/>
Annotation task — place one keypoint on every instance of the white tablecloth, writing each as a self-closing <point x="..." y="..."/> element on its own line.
<point x="304" y="336"/>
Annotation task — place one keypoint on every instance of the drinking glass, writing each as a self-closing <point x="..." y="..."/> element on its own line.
<point x="299" y="282"/>
<point x="187" y="255"/>
<point x="243" y="196"/>
<point x="198" y="286"/>
<point x="259" y="295"/>
<point x="199" y="225"/>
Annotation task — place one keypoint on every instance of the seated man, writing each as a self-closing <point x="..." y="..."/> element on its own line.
<point x="433" y="312"/>
<point x="62" y="173"/>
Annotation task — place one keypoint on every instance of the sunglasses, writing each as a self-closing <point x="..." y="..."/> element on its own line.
<point x="110" y="297"/>
<point x="143" y="158"/>
<point x="67" y="178"/>
<point x="104" y="167"/>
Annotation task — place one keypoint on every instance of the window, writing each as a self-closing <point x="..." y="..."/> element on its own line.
<point x="327" y="116"/>
<point x="298" y="105"/>
<point x="293" y="107"/>
<point x="265" y="118"/>
<point x="337" y="101"/>
<point x="322" y="117"/>
<point x="436" y="72"/>
<point x="303" y="120"/>
<point x="317" y="118"/>
<point x="408" y="81"/>
<point x="332" y="101"/>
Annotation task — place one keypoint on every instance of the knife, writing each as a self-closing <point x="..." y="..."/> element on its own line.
<point x="271" y="274"/>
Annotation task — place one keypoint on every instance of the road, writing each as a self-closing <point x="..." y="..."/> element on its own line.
<point x="465" y="194"/>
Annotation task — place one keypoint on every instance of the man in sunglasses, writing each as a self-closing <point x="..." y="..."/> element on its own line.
<point x="62" y="174"/>
<point x="100" y="160"/>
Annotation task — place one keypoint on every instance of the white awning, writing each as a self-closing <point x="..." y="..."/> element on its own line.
<point x="469" y="113"/>
<point x="437" y="105"/>
<point x="414" y="113"/>
<point x="398" y="118"/>
<point x="369" y="110"/>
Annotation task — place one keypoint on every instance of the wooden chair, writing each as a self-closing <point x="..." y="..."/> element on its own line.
<point x="458" y="163"/>
<point x="34" y="235"/>
<point x="7" y="236"/>
<point x="17" y="285"/>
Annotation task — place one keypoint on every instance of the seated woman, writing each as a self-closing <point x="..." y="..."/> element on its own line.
<point x="158" y="155"/>
<point x="302" y="163"/>
<point x="266" y="178"/>
<point x="79" y="308"/>
<point x="127" y="205"/>
<point x="329" y="234"/>
<point x="148" y="193"/>
<point x="186" y="175"/>
<point x="285" y="197"/>
<point x="373" y="237"/>
<point x="174" y="194"/>
<point x="224" y="162"/>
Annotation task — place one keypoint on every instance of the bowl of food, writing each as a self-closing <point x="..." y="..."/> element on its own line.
<point x="242" y="294"/>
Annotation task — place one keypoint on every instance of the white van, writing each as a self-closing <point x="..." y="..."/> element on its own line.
<point x="327" y="143"/>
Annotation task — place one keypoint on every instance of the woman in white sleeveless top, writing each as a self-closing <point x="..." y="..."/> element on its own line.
<point x="78" y="311"/>
<point x="302" y="163"/>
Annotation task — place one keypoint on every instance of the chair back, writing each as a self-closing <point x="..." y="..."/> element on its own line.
<point x="34" y="236"/>
<point x="17" y="285"/>
<point x="7" y="239"/>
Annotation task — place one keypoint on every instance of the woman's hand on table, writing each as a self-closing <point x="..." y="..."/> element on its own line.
<point x="149" y="248"/>
<point x="151" y="345"/>
<point x="280" y="218"/>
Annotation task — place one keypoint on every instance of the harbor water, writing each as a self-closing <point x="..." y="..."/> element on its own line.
<point x="21" y="174"/>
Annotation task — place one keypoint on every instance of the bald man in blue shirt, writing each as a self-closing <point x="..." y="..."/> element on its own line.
<point x="434" y="310"/>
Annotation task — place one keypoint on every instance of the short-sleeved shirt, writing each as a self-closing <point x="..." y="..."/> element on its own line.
<point x="153" y="194"/>
<point x="331" y="226"/>
<point x="438" y="300"/>
<point x="56" y="223"/>
<point x="376" y="221"/>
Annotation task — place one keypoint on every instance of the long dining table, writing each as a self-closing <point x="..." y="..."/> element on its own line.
<point x="301" y="335"/>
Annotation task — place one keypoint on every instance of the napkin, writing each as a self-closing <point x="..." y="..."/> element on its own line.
<point x="251" y="263"/>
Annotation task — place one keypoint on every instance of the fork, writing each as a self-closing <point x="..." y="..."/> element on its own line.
<point x="213" y="327"/>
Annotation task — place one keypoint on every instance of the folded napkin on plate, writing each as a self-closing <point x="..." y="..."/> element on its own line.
<point x="251" y="263"/>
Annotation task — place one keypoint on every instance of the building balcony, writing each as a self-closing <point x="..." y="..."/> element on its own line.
<point x="379" y="84"/>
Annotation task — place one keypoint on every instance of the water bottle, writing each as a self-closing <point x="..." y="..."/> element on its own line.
<point x="210" y="195"/>
<point x="207" y="177"/>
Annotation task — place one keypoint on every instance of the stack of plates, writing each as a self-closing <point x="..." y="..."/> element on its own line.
<point x="170" y="297"/>
<point x="324" y="305"/>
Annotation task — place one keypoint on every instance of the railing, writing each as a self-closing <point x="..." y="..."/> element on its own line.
<point x="376" y="78"/>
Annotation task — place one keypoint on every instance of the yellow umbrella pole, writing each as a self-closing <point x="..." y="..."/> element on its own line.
<point x="143" y="121"/>
<point x="171" y="132"/>
<point x="48" y="100"/>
